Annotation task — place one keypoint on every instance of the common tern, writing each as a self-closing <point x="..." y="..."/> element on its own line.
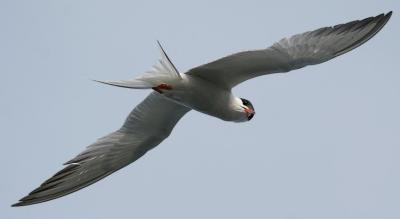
<point x="207" y="89"/>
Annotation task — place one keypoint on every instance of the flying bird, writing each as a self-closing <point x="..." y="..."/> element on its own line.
<point x="206" y="89"/>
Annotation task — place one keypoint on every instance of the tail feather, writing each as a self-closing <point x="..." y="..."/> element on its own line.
<point x="162" y="72"/>
<point x="135" y="83"/>
<point x="166" y="63"/>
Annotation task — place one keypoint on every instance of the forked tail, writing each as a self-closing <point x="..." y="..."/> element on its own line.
<point x="161" y="73"/>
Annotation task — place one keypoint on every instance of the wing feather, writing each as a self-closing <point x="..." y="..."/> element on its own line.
<point x="146" y="126"/>
<point x="291" y="53"/>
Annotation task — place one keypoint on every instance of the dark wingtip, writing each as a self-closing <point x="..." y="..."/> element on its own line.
<point x="386" y="18"/>
<point x="389" y="14"/>
<point x="18" y="204"/>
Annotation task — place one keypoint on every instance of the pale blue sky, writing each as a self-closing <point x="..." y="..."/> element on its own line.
<point x="324" y="144"/>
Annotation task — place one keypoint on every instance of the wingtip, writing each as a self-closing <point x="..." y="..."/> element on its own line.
<point x="18" y="204"/>
<point x="383" y="16"/>
<point x="386" y="18"/>
<point x="23" y="202"/>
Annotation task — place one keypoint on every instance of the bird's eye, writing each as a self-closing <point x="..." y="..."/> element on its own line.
<point x="245" y="102"/>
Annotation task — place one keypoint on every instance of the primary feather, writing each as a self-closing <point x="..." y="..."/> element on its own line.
<point x="146" y="126"/>
<point x="291" y="53"/>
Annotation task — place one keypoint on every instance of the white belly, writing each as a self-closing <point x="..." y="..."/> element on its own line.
<point x="202" y="96"/>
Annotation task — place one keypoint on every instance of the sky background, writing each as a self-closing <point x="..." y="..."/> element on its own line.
<point x="324" y="143"/>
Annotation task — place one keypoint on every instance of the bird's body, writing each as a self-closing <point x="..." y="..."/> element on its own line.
<point x="206" y="89"/>
<point x="204" y="96"/>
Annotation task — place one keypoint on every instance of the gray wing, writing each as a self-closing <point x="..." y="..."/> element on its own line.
<point x="147" y="125"/>
<point x="298" y="51"/>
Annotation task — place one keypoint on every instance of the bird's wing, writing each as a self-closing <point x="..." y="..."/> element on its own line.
<point x="298" y="51"/>
<point x="146" y="126"/>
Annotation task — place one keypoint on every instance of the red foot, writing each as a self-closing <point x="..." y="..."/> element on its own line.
<point x="161" y="87"/>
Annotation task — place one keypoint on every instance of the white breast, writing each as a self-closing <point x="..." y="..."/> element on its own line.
<point x="204" y="96"/>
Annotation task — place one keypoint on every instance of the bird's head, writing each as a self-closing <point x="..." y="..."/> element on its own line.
<point x="247" y="109"/>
